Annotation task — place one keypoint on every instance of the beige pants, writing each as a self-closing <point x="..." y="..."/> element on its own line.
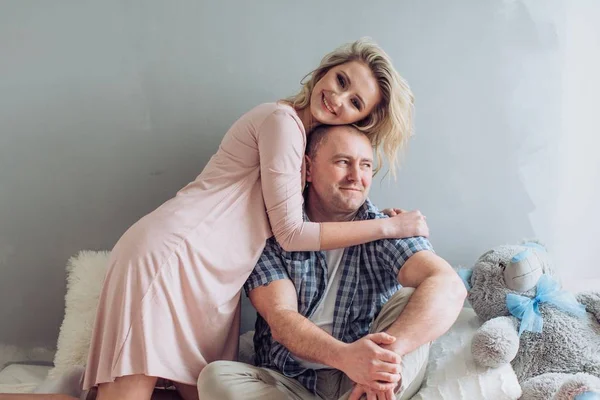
<point x="224" y="380"/>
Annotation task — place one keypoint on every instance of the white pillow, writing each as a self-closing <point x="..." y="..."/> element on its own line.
<point x="85" y="276"/>
<point x="452" y="373"/>
<point x="17" y="387"/>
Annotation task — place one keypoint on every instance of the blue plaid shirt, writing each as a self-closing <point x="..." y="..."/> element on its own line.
<point x="369" y="279"/>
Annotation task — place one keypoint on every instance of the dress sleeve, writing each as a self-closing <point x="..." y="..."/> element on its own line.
<point x="281" y="147"/>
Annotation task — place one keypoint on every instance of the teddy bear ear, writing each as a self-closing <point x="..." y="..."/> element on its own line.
<point x="465" y="274"/>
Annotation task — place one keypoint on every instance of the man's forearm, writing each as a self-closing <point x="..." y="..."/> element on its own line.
<point x="304" y="339"/>
<point x="430" y="312"/>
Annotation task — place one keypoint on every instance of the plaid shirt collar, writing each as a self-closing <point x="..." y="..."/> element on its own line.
<point x="366" y="211"/>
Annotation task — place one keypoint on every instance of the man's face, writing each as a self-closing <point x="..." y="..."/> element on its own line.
<point x="341" y="171"/>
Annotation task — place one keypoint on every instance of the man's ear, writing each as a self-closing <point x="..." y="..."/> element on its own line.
<point x="308" y="168"/>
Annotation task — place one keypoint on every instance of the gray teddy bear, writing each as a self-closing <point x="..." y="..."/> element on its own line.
<point x="550" y="336"/>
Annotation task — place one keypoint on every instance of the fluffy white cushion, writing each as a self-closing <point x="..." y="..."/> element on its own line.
<point x="452" y="373"/>
<point x="85" y="275"/>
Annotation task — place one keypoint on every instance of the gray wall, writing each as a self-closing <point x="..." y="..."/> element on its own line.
<point x="107" y="108"/>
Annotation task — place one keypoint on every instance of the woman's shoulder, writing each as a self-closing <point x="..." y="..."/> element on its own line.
<point x="275" y="110"/>
<point x="275" y="106"/>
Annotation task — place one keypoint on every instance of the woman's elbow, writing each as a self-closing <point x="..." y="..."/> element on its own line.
<point x="296" y="240"/>
<point x="286" y="244"/>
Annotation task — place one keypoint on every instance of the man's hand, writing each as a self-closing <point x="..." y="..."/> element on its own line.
<point x="406" y="224"/>
<point x="397" y="347"/>
<point x="367" y="363"/>
<point x="370" y="394"/>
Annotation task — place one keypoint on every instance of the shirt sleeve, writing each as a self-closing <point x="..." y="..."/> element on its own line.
<point x="269" y="268"/>
<point x="281" y="147"/>
<point x="393" y="253"/>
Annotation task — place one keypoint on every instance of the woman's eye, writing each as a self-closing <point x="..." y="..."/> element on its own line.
<point x="356" y="104"/>
<point x="341" y="81"/>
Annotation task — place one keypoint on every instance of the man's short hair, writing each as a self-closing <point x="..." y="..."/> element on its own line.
<point x="319" y="136"/>
<point x="316" y="138"/>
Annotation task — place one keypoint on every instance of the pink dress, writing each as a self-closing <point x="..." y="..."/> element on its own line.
<point x="170" y="301"/>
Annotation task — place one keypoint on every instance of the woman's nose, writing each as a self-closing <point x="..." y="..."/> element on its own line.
<point x="336" y="99"/>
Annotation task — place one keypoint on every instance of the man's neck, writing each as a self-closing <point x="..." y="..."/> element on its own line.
<point x="318" y="213"/>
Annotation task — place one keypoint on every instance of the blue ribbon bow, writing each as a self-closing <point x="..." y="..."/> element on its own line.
<point x="528" y="309"/>
<point x="465" y="275"/>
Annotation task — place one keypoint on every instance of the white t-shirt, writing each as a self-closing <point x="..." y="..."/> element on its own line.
<point x="323" y="315"/>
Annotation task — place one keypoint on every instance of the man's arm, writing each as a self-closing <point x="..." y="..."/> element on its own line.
<point x="364" y="361"/>
<point x="434" y="305"/>
<point x="277" y="303"/>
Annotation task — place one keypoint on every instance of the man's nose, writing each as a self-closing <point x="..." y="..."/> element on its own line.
<point x="353" y="173"/>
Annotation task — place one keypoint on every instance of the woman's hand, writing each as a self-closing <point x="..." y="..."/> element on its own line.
<point x="406" y="224"/>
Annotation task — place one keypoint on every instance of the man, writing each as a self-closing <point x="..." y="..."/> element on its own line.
<point x="316" y="309"/>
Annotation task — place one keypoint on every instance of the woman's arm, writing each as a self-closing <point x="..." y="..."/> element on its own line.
<point x="344" y="234"/>
<point x="281" y="146"/>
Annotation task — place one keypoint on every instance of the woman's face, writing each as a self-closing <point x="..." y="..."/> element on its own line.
<point x="346" y="94"/>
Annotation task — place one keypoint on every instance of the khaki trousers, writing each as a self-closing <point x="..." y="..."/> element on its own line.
<point x="225" y="380"/>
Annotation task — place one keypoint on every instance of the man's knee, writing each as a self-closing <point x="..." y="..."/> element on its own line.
<point x="414" y="366"/>
<point x="402" y="296"/>
<point x="211" y="383"/>
<point x="398" y="301"/>
<point x="391" y="309"/>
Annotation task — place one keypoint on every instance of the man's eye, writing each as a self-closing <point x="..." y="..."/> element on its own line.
<point x="341" y="81"/>
<point x="356" y="104"/>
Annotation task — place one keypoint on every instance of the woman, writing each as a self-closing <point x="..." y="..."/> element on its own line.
<point x="170" y="301"/>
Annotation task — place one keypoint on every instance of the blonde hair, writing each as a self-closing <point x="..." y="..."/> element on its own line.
<point x="390" y="124"/>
